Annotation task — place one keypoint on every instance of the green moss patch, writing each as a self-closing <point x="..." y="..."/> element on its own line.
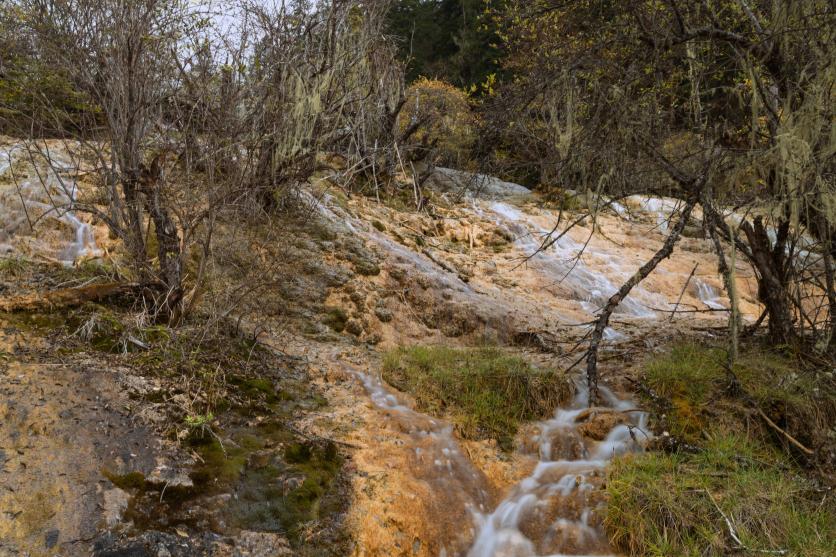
<point x="485" y="392"/>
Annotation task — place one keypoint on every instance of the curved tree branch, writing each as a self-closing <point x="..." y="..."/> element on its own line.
<point x="604" y="318"/>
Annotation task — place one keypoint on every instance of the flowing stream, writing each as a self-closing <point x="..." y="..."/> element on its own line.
<point x="556" y="509"/>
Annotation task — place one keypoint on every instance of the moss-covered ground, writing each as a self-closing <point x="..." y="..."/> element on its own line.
<point x="486" y="392"/>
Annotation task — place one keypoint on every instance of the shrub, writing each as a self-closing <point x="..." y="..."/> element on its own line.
<point x="446" y="126"/>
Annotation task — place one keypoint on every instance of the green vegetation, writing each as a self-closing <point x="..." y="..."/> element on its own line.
<point x="12" y="267"/>
<point x="485" y="392"/>
<point x="32" y="94"/>
<point x="736" y="476"/>
<point x="275" y="491"/>
<point x="694" y="379"/>
<point x="674" y="504"/>
<point x="449" y="39"/>
<point x="283" y="494"/>
<point x="448" y="125"/>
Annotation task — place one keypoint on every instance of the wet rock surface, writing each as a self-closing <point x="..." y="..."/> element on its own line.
<point x="60" y="424"/>
<point x="331" y="461"/>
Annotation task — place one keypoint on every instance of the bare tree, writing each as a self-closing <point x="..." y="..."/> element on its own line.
<point x="122" y="55"/>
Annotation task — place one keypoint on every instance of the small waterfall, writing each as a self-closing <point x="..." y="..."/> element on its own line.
<point x="555" y="510"/>
<point x="708" y="295"/>
<point x="661" y="208"/>
<point x="7" y="157"/>
<point x="54" y="197"/>
<point x="63" y="197"/>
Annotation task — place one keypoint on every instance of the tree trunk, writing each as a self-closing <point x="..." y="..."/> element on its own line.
<point x="770" y="262"/>
<point x="135" y="238"/>
<point x="168" y="240"/>
<point x="728" y="273"/>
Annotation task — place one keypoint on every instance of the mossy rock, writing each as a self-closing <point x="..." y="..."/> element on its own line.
<point x="336" y="318"/>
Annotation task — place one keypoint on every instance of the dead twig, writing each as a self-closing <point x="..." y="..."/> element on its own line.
<point x="733" y="531"/>
<point x="684" y="288"/>
<point x="789" y="437"/>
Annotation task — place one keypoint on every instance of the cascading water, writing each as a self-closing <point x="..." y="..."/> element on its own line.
<point x="562" y="262"/>
<point x="54" y="196"/>
<point x="708" y="295"/>
<point x="435" y="458"/>
<point x="555" y="510"/>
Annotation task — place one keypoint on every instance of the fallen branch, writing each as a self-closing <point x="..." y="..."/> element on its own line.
<point x="789" y="437"/>
<point x="598" y="410"/>
<point x="751" y="329"/>
<point x="66" y="297"/>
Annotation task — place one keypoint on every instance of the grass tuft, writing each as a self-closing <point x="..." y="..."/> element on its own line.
<point x="485" y="392"/>
<point x="667" y="504"/>
<point x="741" y="475"/>
<point x="694" y="379"/>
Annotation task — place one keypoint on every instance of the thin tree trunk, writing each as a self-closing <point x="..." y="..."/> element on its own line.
<point x="727" y="272"/>
<point x="772" y="290"/>
<point x="824" y="234"/>
<point x="604" y="319"/>
<point x="168" y="241"/>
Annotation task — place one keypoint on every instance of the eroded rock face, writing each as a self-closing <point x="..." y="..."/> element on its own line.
<point x="460" y="278"/>
<point x="114" y="504"/>
<point x="261" y="544"/>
